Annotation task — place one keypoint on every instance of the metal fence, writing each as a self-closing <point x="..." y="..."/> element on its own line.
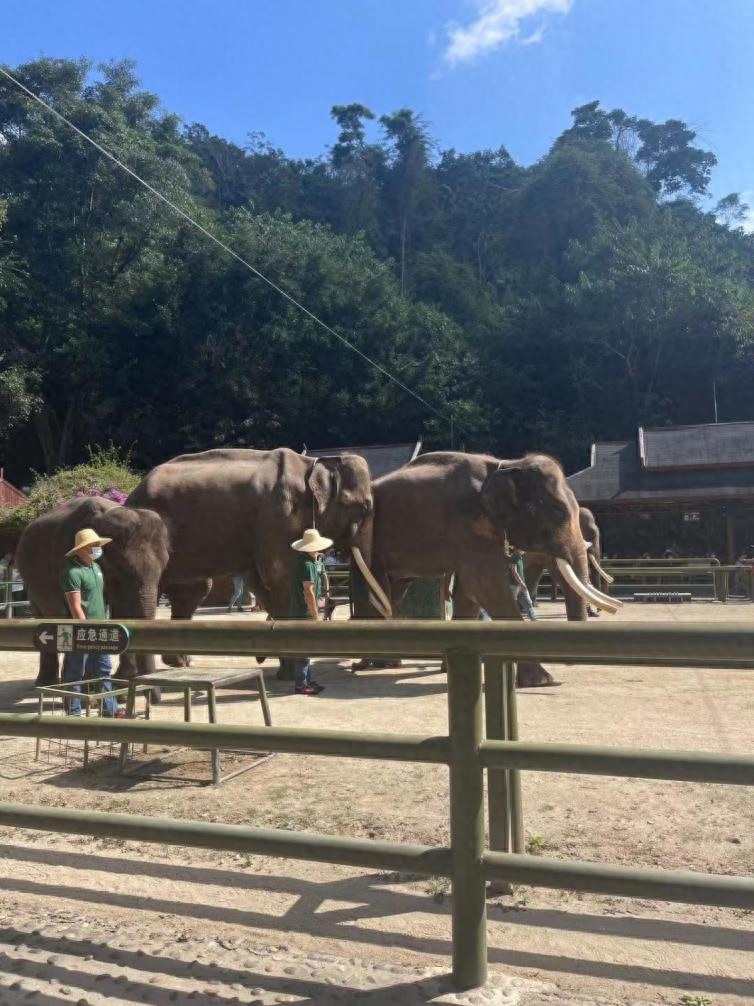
<point x="704" y="579"/>
<point x="8" y="591"/>
<point x="466" y="649"/>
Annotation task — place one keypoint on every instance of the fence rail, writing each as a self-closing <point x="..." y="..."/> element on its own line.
<point x="473" y="700"/>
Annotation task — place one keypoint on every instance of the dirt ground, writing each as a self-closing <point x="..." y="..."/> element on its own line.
<point x="62" y="898"/>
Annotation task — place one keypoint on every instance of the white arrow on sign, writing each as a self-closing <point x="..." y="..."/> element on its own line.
<point x="46" y="637"/>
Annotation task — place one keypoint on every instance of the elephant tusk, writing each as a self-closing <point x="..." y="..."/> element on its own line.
<point x="377" y="596"/>
<point x="600" y="571"/>
<point x="586" y="591"/>
<point x="376" y="604"/>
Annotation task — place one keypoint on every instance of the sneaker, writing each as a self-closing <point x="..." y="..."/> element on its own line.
<point x="311" y="689"/>
<point x="117" y="714"/>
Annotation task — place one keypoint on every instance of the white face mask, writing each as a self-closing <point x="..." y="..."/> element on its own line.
<point x="96" y="552"/>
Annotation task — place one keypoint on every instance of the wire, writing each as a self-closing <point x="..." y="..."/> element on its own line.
<point x="226" y="248"/>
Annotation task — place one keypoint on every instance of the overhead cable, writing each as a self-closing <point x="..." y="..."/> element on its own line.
<point x="226" y="248"/>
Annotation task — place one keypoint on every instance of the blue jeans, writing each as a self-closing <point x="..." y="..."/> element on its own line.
<point x="239" y="586"/>
<point x="77" y="666"/>
<point x="524" y="602"/>
<point x="301" y="667"/>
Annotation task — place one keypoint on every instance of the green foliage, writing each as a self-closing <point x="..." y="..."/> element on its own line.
<point x="537" y="306"/>
<point x="106" y="471"/>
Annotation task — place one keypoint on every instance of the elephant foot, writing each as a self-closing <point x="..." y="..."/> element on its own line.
<point x="176" y="659"/>
<point x="532" y="675"/>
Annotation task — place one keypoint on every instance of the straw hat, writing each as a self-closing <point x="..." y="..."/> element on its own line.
<point x="312" y="541"/>
<point x="87" y="536"/>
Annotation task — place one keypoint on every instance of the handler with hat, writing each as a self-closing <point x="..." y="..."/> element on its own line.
<point x="306" y="589"/>
<point x="84" y="589"/>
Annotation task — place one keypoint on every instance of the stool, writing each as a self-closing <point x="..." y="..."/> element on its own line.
<point x="196" y="679"/>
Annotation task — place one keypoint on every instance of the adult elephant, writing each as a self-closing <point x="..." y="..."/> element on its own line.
<point x="132" y="565"/>
<point x="449" y="512"/>
<point x="231" y="509"/>
<point x="538" y="562"/>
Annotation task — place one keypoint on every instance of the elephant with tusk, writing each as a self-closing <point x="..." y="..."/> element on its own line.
<point x="538" y="562"/>
<point x="449" y="512"/>
<point x="234" y="509"/>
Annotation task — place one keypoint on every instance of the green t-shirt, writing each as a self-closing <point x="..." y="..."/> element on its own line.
<point x="518" y="565"/>
<point x="90" y="583"/>
<point x="305" y="569"/>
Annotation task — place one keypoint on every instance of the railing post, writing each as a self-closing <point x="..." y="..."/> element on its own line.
<point x="496" y="720"/>
<point x="514" y="775"/>
<point x="469" y="917"/>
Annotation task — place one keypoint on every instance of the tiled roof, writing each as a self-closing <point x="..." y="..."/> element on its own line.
<point x="381" y="458"/>
<point x="617" y="476"/>
<point x="710" y="445"/>
<point x="9" y="495"/>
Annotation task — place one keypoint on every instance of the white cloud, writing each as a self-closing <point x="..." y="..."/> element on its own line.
<point x="498" y="22"/>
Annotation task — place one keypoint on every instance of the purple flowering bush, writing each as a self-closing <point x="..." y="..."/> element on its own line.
<point x="116" y="495"/>
<point x="105" y="474"/>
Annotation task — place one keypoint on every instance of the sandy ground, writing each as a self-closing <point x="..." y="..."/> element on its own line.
<point x="108" y="921"/>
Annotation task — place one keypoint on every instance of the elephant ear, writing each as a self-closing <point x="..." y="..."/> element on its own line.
<point x="500" y="494"/>
<point x="324" y="482"/>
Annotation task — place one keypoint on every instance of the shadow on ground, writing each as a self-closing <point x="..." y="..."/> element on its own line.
<point x="368" y="897"/>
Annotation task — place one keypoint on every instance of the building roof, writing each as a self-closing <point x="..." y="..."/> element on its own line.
<point x="617" y="474"/>
<point x="381" y="458"/>
<point x="9" y="495"/>
<point x="713" y="445"/>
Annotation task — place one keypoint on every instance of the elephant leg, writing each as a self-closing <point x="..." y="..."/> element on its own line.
<point x="184" y="598"/>
<point x="464" y="606"/>
<point x="533" y="577"/>
<point x="485" y="585"/>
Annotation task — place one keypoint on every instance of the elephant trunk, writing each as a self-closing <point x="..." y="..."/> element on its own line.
<point x="142" y="604"/>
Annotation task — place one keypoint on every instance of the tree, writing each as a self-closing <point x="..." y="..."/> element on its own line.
<point x="663" y="151"/>
<point x="407" y="179"/>
<point x="87" y="235"/>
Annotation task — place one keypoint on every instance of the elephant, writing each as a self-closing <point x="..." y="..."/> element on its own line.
<point x="538" y="562"/>
<point x="449" y="512"/>
<point x="132" y="566"/>
<point x="232" y="510"/>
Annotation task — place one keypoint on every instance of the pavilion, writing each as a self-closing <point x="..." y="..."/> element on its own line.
<point x="687" y="490"/>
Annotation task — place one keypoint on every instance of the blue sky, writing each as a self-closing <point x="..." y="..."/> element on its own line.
<point x="482" y="72"/>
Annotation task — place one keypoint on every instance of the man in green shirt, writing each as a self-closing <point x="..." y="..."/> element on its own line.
<point x="306" y="589"/>
<point x="84" y="590"/>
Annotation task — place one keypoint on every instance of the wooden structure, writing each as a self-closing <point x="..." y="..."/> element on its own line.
<point x="9" y="495"/>
<point x="683" y="490"/>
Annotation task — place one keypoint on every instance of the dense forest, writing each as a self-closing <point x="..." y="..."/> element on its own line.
<point x="537" y="306"/>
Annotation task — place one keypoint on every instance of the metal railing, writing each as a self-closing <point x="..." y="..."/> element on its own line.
<point x="709" y="580"/>
<point x="705" y="579"/>
<point x="7" y="604"/>
<point x="465" y="749"/>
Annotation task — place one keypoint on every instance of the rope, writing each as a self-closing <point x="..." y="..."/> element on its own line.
<point x="221" y="244"/>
